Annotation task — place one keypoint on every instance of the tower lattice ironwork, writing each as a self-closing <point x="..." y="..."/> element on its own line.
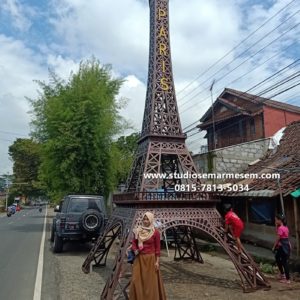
<point x="162" y="150"/>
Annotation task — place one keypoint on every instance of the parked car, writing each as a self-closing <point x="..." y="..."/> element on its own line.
<point x="79" y="217"/>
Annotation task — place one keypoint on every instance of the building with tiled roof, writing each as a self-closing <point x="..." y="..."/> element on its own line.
<point x="266" y="197"/>
<point x="285" y="161"/>
<point x="241" y="117"/>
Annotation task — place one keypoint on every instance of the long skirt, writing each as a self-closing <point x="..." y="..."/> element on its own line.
<point x="146" y="282"/>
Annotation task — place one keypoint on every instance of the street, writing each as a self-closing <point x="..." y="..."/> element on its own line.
<point x="19" y="253"/>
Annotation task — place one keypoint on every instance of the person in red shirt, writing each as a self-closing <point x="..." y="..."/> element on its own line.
<point x="234" y="224"/>
<point x="146" y="282"/>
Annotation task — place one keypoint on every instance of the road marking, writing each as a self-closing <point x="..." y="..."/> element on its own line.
<point x="39" y="272"/>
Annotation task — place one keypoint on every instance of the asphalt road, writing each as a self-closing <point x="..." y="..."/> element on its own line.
<point x="20" y="239"/>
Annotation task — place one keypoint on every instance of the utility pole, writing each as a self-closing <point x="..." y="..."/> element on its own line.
<point x="213" y="115"/>
<point x="6" y="194"/>
<point x="279" y="187"/>
<point x="214" y="129"/>
<point x="281" y="198"/>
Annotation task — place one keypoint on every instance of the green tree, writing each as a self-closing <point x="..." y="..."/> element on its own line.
<point x="76" y="121"/>
<point x="25" y="154"/>
<point x="123" y="152"/>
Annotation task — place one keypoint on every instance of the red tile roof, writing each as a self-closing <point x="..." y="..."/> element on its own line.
<point x="285" y="160"/>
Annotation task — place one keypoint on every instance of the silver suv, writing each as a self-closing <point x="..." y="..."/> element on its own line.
<point x="79" y="217"/>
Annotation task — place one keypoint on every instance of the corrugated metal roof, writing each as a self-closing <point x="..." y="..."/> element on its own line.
<point x="260" y="193"/>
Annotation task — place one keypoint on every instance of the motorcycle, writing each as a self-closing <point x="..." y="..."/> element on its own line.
<point x="10" y="211"/>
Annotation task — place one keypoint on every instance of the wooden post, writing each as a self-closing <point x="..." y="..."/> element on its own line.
<point x="247" y="210"/>
<point x="296" y="225"/>
<point x="281" y="198"/>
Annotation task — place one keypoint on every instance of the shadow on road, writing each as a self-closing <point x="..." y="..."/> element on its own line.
<point x="74" y="248"/>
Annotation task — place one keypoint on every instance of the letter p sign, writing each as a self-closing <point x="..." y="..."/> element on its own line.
<point x="161" y="13"/>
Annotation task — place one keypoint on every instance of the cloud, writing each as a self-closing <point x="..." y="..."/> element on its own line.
<point x="62" y="66"/>
<point x="109" y="30"/>
<point x="135" y="91"/>
<point x="19" y="67"/>
<point x="117" y="32"/>
<point x="20" y="14"/>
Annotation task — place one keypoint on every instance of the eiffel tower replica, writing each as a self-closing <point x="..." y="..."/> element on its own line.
<point x="162" y="150"/>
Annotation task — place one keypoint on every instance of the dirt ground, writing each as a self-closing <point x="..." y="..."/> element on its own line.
<point x="216" y="279"/>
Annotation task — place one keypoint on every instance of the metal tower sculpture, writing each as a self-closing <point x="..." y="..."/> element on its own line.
<point x="162" y="150"/>
<point x="162" y="144"/>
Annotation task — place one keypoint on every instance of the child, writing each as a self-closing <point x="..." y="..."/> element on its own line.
<point x="234" y="224"/>
<point x="282" y="248"/>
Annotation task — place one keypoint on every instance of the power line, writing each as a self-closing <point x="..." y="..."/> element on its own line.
<point x="190" y="125"/>
<point x="241" y="63"/>
<point x="218" y="90"/>
<point x="192" y="129"/>
<point x="275" y="86"/>
<point x="229" y="52"/>
<point x="245" y="51"/>
<point x="294" y="63"/>
<point x="285" y="90"/>
<point x="258" y="66"/>
<point x="229" y="72"/>
<point x="248" y="72"/>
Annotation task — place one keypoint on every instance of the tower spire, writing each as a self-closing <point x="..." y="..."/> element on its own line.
<point x="161" y="116"/>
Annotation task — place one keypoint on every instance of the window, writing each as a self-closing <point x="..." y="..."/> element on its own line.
<point x="262" y="212"/>
<point x="78" y="205"/>
<point x="252" y="126"/>
<point x="82" y="204"/>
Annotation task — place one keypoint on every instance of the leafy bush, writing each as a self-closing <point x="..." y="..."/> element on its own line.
<point x="267" y="268"/>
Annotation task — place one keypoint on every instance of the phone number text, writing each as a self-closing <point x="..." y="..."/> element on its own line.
<point x="211" y="187"/>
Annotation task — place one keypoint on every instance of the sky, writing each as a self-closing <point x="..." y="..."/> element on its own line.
<point x="236" y="43"/>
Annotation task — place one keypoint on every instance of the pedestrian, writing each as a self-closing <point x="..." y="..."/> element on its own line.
<point x="233" y="224"/>
<point x="282" y="248"/>
<point x="146" y="282"/>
